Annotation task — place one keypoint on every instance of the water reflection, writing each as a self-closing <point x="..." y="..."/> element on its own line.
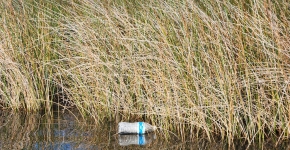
<point x="136" y="139"/>
<point x="35" y="131"/>
<point x="66" y="131"/>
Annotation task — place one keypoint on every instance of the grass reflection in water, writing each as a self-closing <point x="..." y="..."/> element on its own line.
<point x="64" y="130"/>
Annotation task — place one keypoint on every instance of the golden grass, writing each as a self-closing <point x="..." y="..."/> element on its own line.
<point x="191" y="67"/>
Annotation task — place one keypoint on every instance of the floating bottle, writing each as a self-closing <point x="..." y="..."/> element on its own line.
<point x="135" y="128"/>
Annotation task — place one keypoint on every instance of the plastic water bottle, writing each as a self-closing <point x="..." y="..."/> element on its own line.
<point x="135" y="128"/>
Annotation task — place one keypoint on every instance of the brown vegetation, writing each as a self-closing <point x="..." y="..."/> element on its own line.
<point x="213" y="67"/>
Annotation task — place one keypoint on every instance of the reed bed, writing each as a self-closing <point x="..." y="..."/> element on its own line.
<point x="191" y="67"/>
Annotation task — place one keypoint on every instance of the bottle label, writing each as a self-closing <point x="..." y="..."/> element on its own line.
<point x="141" y="128"/>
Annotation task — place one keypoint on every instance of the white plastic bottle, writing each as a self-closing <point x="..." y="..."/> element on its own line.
<point x="135" y="128"/>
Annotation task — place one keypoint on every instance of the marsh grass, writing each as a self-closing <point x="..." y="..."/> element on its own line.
<point x="190" y="67"/>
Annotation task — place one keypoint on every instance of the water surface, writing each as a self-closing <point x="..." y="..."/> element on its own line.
<point x="66" y="130"/>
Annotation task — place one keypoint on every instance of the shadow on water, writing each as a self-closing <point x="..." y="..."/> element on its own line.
<point x="66" y="130"/>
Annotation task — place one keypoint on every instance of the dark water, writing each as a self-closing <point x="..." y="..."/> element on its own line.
<point x="67" y="130"/>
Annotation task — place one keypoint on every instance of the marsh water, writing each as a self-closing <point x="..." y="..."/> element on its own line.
<point x="66" y="130"/>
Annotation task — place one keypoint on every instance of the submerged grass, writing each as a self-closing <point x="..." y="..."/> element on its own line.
<point x="191" y="67"/>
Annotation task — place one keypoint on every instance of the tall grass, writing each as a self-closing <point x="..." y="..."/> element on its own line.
<point x="191" y="67"/>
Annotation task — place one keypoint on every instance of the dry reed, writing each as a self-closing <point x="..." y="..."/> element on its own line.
<point x="191" y="67"/>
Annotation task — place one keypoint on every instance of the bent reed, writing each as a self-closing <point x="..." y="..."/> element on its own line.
<point x="189" y="67"/>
